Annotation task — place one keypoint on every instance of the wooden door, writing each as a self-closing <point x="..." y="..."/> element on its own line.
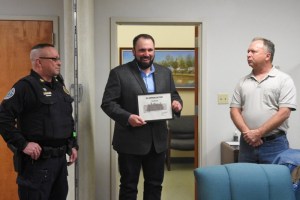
<point x="16" y="39"/>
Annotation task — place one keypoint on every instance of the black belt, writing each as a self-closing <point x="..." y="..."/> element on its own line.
<point x="273" y="136"/>
<point x="52" y="152"/>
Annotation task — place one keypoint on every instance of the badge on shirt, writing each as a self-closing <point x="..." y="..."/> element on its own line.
<point x="47" y="93"/>
<point x="10" y="93"/>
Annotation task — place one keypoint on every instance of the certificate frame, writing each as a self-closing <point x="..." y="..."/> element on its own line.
<point x="155" y="106"/>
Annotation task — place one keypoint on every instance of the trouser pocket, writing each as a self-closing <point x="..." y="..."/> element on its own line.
<point x="34" y="179"/>
<point x="34" y="174"/>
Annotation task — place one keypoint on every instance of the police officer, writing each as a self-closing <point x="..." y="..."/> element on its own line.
<point x="36" y="122"/>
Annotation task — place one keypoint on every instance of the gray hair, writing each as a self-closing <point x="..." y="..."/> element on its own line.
<point x="268" y="44"/>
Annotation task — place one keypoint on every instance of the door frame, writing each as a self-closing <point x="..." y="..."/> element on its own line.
<point x="114" y="22"/>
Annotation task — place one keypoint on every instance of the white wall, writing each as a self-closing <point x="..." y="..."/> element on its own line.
<point x="228" y="27"/>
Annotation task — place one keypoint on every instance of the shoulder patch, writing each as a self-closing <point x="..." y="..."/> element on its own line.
<point x="10" y="93"/>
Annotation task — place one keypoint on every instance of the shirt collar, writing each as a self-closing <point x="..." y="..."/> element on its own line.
<point x="151" y="71"/>
<point x="41" y="80"/>
<point x="272" y="73"/>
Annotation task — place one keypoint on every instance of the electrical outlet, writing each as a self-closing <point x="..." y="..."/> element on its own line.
<point x="222" y="98"/>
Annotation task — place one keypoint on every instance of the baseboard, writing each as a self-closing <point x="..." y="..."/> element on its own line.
<point x="182" y="160"/>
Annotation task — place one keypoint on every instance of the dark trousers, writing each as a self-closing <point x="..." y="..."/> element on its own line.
<point x="130" y="166"/>
<point x="43" y="179"/>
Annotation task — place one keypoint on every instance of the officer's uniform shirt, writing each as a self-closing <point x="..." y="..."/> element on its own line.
<point x="22" y="103"/>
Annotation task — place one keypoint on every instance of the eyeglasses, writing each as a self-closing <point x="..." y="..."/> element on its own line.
<point x="51" y="58"/>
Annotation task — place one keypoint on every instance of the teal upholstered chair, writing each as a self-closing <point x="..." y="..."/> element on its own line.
<point x="244" y="181"/>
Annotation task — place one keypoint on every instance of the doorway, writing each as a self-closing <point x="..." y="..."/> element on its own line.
<point x="166" y="35"/>
<point x="17" y="36"/>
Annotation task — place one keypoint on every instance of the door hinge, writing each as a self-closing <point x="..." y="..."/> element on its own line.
<point x="53" y="39"/>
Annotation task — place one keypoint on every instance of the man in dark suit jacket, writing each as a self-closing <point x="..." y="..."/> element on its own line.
<point x="140" y="144"/>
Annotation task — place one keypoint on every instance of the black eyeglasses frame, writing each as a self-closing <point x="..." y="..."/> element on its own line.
<point x="54" y="59"/>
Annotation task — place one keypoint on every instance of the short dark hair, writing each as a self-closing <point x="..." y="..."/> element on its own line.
<point x="41" y="46"/>
<point x="146" y="36"/>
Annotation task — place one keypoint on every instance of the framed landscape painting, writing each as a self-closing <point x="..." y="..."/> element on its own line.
<point x="181" y="61"/>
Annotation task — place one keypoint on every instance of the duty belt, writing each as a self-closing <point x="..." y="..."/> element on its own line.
<point x="52" y="152"/>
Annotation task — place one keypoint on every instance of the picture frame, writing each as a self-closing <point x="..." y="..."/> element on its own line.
<point x="155" y="106"/>
<point x="181" y="61"/>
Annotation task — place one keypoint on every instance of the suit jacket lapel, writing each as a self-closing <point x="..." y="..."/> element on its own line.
<point x="136" y="73"/>
<point x="158" y="77"/>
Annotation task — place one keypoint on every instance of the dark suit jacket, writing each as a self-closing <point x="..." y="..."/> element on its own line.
<point x="120" y="101"/>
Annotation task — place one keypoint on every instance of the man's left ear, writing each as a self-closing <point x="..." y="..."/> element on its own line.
<point x="269" y="56"/>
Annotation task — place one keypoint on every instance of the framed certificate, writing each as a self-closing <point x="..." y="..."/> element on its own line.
<point x="155" y="106"/>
